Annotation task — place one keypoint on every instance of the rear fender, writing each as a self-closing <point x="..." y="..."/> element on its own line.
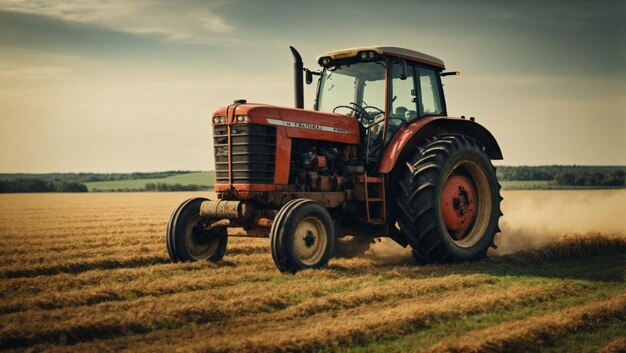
<point x="403" y="144"/>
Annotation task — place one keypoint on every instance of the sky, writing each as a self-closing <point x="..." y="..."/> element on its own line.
<point x="123" y="86"/>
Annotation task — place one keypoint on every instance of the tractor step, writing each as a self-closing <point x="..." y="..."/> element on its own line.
<point x="373" y="194"/>
<point x="370" y="180"/>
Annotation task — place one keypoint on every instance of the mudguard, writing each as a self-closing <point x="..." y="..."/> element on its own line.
<point x="403" y="142"/>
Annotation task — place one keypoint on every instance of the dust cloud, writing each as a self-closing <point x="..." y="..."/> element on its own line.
<point x="533" y="218"/>
<point x="389" y="252"/>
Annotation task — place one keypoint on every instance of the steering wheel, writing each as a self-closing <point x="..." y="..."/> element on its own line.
<point x="356" y="110"/>
<point x="361" y="113"/>
<point x="373" y="108"/>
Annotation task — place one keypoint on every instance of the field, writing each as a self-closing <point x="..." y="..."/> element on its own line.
<point x="196" y="178"/>
<point x="89" y="272"/>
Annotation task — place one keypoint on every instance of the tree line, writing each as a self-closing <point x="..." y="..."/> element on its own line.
<point x="174" y="187"/>
<point x="19" y="185"/>
<point x="90" y="177"/>
<point x="566" y="175"/>
<point x="591" y="176"/>
<point x="549" y="172"/>
<point x="26" y="185"/>
<point x="614" y="178"/>
<point x="158" y="187"/>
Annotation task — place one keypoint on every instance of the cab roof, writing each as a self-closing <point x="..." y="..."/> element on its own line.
<point x="385" y="50"/>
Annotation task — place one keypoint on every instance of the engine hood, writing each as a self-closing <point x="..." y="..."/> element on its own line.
<point x="297" y="123"/>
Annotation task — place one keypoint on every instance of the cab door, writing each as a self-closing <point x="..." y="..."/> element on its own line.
<point x="403" y="95"/>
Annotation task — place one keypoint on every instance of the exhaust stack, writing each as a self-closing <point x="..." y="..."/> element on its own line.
<point x="297" y="78"/>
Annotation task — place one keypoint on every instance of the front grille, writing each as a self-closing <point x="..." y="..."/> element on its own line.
<point x="252" y="156"/>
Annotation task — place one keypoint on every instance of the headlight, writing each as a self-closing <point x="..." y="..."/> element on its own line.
<point x="222" y="119"/>
<point x="242" y="119"/>
<point x="219" y="120"/>
<point x="365" y="55"/>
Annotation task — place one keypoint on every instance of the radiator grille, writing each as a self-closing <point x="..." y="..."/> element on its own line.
<point x="253" y="153"/>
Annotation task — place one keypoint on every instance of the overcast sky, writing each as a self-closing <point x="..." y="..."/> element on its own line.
<point x="119" y="86"/>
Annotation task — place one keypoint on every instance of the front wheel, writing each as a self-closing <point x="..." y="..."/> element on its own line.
<point x="302" y="236"/>
<point x="449" y="204"/>
<point x="190" y="237"/>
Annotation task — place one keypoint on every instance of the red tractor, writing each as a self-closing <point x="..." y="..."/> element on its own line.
<point x="376" y="157"/>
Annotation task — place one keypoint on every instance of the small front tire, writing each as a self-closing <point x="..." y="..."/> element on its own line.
<point x="187" y="237"/>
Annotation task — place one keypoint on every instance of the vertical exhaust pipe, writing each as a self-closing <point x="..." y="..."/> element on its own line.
<point x="297" y="78"/>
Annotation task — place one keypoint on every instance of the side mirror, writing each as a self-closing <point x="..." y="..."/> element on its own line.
<point x="403" y="73"/>
<point x="308" y="75"/>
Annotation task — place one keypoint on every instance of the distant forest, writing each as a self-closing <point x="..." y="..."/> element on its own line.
<point x="575" y="176"/>
<point x="90" y="177"/>
<point x="158" y="187"/>
<point x="74" y="182"/>
<point x="600" y="176"/>
<point x="20" y="185"/>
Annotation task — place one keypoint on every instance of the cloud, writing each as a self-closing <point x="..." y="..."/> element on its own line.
<point x="187" y="21"/>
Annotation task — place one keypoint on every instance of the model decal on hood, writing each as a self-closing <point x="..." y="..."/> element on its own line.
<point x="307" y="126"/>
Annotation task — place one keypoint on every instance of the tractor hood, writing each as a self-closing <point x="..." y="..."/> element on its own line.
<point x="297" y="123"/>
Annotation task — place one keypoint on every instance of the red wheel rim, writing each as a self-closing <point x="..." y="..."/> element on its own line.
<point x="458" y="205"/>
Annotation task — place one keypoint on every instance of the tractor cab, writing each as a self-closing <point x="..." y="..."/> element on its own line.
<point x="384" y="88"/>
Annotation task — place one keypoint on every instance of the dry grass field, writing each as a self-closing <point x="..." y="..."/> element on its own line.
<point x="89" y="272"/>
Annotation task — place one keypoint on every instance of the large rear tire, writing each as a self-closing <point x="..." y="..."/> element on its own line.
<point x="449" y="202"/>
<point x="302" y="236"/>
<point x="187" y="237"/>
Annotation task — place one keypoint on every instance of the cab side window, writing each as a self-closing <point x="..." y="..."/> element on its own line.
<point x="430" y="98"/>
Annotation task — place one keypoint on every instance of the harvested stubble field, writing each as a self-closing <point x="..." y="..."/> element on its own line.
<point x="90" y="272"/>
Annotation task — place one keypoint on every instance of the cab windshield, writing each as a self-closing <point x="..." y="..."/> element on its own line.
<point x="361" y="83"/>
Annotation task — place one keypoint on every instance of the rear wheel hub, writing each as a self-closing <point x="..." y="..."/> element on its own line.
<point x="458" y="205"/>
